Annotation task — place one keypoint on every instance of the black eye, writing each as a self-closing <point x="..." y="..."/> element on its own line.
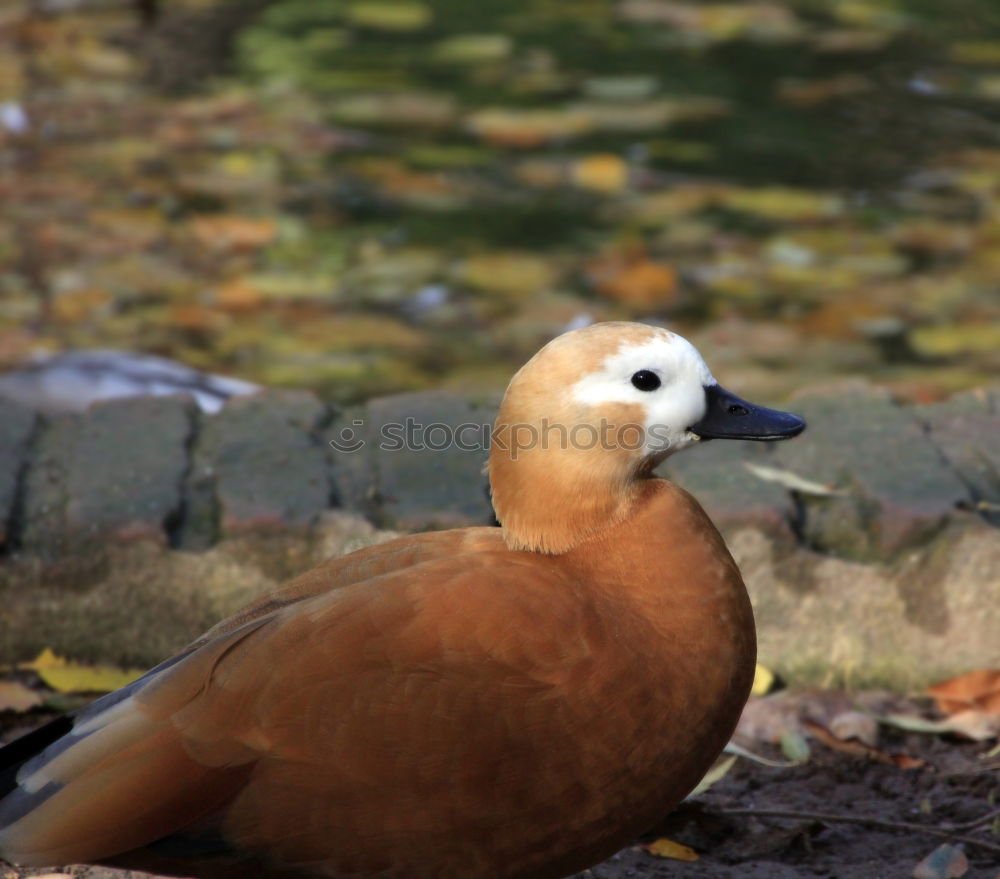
<point x="645" y="380"/>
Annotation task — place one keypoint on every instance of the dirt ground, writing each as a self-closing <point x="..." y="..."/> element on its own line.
<point x="957" y="786"/>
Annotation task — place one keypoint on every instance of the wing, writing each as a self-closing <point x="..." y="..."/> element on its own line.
<point x="285" y="734"/>
<point x="362" y="565"/>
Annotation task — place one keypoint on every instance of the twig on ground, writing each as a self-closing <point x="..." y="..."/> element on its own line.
<point x="902" y="826"/>
<point x="975" y="822"/>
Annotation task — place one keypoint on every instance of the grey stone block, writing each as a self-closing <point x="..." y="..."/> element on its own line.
<point x="113" y="472"/>
<point x="717" y="475"/>
<point x="17" y="424"/>
<point x="898" y="489"/>
<point x="417" y="479"/>
<point x="258" y="465"/>
<point x="966" y="432"/>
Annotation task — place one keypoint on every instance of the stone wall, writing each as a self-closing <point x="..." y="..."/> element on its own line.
<point x="870" y="545"/>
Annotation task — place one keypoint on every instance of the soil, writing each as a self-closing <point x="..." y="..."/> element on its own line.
<point x="958" y="784"/>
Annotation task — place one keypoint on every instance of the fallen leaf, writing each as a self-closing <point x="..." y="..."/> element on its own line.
<point x="718" y="770"/>
<point x="972" y="724"/>
<point x="667" y="848"/>
<point x="740" y="751"/>
<point x="763" y="681"/>
<point x="945" y="862"/>
<point x="858" y="748"/>
<point x="979" y="689"/>
<point x="854" y="725"/>
<point x="795" y="747"/>
<point x="15" y="696"/>
<point x="791" y="481"/>
<point x="69" y="677"/>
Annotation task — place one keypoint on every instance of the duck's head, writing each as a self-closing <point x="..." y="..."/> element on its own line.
<point x="590" y="416"/>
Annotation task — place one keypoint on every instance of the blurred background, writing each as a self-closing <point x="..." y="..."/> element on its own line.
<point x="367" y="196"/>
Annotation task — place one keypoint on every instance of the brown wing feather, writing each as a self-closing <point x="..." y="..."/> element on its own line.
<point x="287" y="721"/>
<point x="124" y="776"/>
<point x="362" y="565"/>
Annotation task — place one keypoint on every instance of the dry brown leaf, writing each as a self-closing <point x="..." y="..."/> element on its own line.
<point x="232" y="234"/>
<point x="979" y="689"/>
<point x="635" y="280"/>
<point x="857" y="748"/>
<point x="15" y="696"/>
<point x="854" y="725"/>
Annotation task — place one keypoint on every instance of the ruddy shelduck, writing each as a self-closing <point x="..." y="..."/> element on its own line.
<point x="486" y="702"/>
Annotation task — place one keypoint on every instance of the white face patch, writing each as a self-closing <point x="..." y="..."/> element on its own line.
<point x="669" y="410"/>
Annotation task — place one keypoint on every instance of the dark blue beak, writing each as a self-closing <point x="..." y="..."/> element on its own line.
<point x="729" y="417"/>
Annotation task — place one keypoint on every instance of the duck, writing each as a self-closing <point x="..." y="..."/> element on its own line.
<point x="516" y="702"/>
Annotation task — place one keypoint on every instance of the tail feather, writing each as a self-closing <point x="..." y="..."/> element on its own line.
<point x="122" y="772"/>
<point x="20" y="751"/>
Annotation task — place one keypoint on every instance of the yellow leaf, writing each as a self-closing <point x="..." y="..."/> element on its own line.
<point x="69" y="677"/>
<point x="15" y="696"/>
<point x="390" y="16"/>
<point x="602" y="172"/>
<point x="667" y="848"/>
<point x="718" y="770"/>
<point x="45" y="659"/>
<point x="763" y="680"/>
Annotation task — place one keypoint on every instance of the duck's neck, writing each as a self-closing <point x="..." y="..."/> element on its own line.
<point x="551" y="501"/>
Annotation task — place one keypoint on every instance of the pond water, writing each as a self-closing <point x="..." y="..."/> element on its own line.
<point x="387" y="194"/>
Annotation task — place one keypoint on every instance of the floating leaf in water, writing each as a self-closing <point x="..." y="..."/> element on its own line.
<point x="847" y="40"/>
<point x="418" y="109"/>
<point x="389" y="15"/>
<point x="620" y="88"/>
<point x="783" y="203"/>
<point x="233" y="234"/>
<point x="810" y="93"/>
<point x="528" y="128"/>
<point x="602" y="172"/>
<point x="985" y="53"/>
<point x="472" y="49"/>
<point x="511" y="273"/>
<point x="632" y="278"/>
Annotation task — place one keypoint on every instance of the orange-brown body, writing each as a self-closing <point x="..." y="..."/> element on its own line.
<point x="438" y="707"/>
